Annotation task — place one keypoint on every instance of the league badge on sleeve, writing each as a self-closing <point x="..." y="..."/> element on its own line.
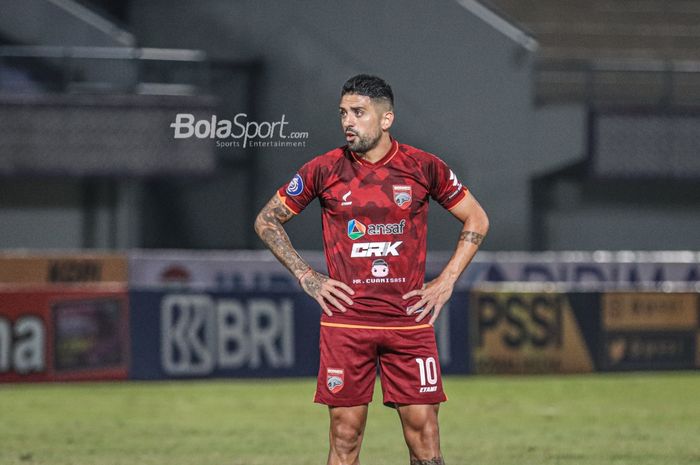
<point x="402" y="196"/>
<point x="296" y="186"/>
<point x="335" y="379"/>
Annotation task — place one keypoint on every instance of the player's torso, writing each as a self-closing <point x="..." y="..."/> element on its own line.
<point x="374" y="227"/>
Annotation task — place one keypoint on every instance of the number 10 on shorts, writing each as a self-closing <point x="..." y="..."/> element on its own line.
<point x="428" y="374"/>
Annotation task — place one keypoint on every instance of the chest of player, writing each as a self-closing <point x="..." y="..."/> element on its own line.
<point x="379" y="196"/>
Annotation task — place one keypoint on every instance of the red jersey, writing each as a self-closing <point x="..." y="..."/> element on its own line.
<point x="375" y="224"/>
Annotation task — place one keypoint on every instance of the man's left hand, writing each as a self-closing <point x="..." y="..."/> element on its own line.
<point x="433" y="296"/>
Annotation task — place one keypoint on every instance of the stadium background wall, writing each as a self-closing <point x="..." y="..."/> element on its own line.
<point x="237" y="314"/>
<point x="488" y="130"/>
<point x="468" y="93"/>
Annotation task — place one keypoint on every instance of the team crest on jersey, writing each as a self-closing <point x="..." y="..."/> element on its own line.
<point x="296" y="185"/>
<point x="402" y="196"/>
<point x="335" y="379"/>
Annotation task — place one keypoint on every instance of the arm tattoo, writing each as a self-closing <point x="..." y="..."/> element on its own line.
<point x="471" y="236"/>
<point x="312" y="284"/>
<point x="433" y="461"/>
<point x="268" y="225"/>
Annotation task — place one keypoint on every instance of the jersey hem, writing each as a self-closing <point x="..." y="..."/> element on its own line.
<point x="358" y="326"/>
<point x="399" y="321"/>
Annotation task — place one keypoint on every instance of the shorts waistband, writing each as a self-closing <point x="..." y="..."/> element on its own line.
<point x="346" y="325"/>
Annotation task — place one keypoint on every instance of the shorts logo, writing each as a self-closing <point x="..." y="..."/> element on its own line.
<point x="296" y="185"/>
<point x="402" y="196"/>
<point x="356" y="229"/>
<point x="335" y="379"/>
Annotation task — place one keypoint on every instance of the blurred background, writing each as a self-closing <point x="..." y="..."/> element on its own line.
<point x="139" y="139"/>
<point x="127" y="204"/>
<point x="574" y="123"/>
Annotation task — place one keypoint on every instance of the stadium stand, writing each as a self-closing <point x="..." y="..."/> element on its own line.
<point x="635" y="68"/>
<point x="99" y="100"/>
<point x="613" y="51"/>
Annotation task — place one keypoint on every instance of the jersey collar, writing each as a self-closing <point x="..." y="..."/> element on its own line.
<point x="393" y="150"/>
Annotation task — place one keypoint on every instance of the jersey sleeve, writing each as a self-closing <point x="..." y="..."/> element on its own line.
<point x="301" y="189"/>
<point x="445" y="187"/>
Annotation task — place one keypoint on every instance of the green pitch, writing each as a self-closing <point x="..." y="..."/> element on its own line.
<point x="633" y="419"/>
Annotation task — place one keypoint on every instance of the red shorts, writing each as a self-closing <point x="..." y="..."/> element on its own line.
<point x="408" y="365"/>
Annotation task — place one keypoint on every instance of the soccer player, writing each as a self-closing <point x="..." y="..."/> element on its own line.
<point x="374" y="192"/>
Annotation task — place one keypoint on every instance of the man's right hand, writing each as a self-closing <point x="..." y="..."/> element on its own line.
<point x="326" y="291"/>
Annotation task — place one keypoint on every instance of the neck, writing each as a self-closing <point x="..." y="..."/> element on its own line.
<point x="379" y="150"/>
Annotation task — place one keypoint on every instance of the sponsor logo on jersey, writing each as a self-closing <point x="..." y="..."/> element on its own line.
<point x="380" y="268"/>
<point x="296" y="186"/>
<point x="345" y="201"/>
<point x="402" y="196"/>
<point x="335" y="379"/>
<point x="387" y="280"/>
<point x="386" y="228"/>
<point x="428" y="389"/>
<point x="356" y="229"/>
<point x="375" y="249"/>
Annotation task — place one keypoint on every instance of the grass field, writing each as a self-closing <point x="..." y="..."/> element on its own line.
<point x="633" y="419"/>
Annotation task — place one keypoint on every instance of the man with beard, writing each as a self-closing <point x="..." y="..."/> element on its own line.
<point x="374" y="193"/>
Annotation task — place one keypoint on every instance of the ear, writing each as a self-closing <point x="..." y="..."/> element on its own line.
<point x="387" y="120"/>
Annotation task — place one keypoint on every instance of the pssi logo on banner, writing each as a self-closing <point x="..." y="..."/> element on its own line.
<point x="252" y="133"/>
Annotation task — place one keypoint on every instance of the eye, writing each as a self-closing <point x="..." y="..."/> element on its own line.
<point x="358" y="113"/>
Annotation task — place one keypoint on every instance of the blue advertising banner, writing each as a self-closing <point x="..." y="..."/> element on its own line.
<point x="452" y="335"/>
<point x="186" y="334"/>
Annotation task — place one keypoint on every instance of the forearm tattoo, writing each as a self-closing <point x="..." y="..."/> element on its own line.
<point x="433" y="461"/>
<point x="269" y="227"/>
<point x="471" y="236"/>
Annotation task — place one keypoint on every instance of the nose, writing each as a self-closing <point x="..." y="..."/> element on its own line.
<point x="348" y="121"/>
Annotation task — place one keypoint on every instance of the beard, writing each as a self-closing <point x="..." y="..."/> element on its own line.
<point x="365" y="143"/>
